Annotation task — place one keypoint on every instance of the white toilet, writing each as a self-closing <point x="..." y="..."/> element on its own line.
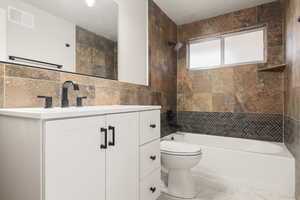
<point x="178" y="158"/>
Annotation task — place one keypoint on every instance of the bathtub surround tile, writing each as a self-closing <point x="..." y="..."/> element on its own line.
<point x="242" y="90"/>
<point x="235" y="101"/>
<point x="240" y="87"/>
<point x="168" y="126"/>
<point x="202" y="102"/>
<point x="224" y="103"/>
<point x="266" y="127"/>
<point x="204" y="86"/>
<point x="292" y="136"/>
<point x="222" y="80"/>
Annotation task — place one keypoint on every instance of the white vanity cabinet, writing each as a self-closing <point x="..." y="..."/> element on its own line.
<point x="48" y="156"/>
<point x="74" y="164"/>
<point x="150" y="164"/>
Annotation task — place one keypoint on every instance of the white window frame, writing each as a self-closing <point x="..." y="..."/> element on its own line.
<point x="222" y="38"/>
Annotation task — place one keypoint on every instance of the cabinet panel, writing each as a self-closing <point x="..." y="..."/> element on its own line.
<point x="150" y="186"/>
<point x="149" y="126"/>
<point x="44" y="39"/>
<point x="149" y="158"/>
<point x="74" y="164"/>
<point x="3" y="32"/>
<point x="123" y="158"/>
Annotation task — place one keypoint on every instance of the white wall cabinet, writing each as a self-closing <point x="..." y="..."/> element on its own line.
<point x="133" y="42"/>
<point x="3" y="30"/>
<point x="44" y="38"/>
<point x="78" y="158"/>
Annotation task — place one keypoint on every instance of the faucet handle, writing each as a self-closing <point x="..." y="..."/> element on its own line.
<point x="79" y="100"/>
<point x="48" y="101"/>
<point x="76" y="86"/>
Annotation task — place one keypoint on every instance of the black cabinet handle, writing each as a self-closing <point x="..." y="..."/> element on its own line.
<point x="152" y="125"/>
<point x="153" y="189"/>
<point x="35" y="61"/>
<point x="48" y="101"/>
<point x="104" y="146"/>
<point x="112" y="143"/>
<point x="152" y="157"/>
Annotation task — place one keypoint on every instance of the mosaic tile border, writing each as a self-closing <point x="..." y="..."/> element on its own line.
<point x="166" y="125"/>
<point x="292" y="135"/>
<point x="267" y="127"/>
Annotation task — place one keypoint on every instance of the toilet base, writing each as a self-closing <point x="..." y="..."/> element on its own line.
<point x="180" y="184"/>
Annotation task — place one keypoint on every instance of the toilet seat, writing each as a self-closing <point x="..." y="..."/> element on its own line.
<point x="179" y="148"/>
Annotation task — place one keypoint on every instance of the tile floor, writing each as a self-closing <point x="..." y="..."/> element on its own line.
<point x="210" y="189"/>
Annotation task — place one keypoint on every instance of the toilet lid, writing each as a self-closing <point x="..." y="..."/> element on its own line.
<point x="179" y="148"/>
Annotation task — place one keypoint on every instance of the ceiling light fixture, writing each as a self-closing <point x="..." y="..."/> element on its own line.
<point x="90" y="3"/>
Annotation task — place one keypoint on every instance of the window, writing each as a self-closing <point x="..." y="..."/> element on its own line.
<point x="206" y="53"/>
<point x="247" y="47"/>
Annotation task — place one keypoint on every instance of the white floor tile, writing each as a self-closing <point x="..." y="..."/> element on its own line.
<point x="212" y="189"/>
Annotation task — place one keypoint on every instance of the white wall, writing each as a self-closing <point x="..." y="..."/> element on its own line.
<point x="3" y="48"/>
<point x="45" y="41"/>
<point x="133" y="41"/>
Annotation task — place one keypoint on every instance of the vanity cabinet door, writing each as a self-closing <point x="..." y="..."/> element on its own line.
<point x="74" y="163"/>
<point x="123" y="157"/>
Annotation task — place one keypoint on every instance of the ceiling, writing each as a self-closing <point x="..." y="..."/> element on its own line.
<point x="187" y="11"/>
<point x="101" y="19"/>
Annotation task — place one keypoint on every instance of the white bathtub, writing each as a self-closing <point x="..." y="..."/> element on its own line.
<point x="266" y="166"/>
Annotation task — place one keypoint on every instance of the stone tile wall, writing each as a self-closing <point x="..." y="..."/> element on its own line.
<point x="237" y="90"/>
<point x="292" y="85"/>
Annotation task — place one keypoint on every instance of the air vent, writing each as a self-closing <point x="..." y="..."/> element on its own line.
<point x="20" y="17"/>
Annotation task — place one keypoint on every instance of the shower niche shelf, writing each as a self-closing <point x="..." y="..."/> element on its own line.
<point x="275" y="68"/>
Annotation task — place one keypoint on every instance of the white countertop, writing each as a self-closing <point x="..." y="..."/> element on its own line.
<point x="59" y="113"/>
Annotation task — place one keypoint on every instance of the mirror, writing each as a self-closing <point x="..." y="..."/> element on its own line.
<point x="79" y="36"/>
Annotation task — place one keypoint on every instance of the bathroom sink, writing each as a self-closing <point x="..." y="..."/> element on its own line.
<point x="57" y="112"/>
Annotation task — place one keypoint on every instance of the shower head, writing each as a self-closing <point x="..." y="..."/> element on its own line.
<point x="176" y="45"/>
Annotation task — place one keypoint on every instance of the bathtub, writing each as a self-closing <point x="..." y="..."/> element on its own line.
<point x="265" y="166"/>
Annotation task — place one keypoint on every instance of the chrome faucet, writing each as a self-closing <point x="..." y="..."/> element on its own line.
<point x="65" y="86"/>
